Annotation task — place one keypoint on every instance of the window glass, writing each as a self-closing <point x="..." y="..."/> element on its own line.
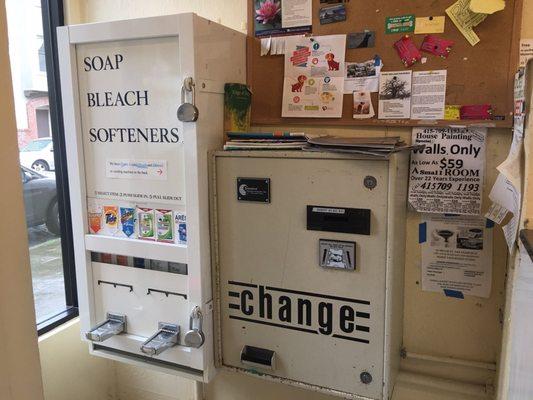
<point x="36" y="145"/>
<point x="37" y="166"/>
<point x="42" y="58"/>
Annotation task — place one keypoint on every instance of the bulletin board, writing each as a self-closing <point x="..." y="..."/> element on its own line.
<point x="480" y="74"/>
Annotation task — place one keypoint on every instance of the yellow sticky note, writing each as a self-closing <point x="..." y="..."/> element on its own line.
<point x="452" y="112"/>
<point x="486" y="6"/>
<point x="430" y="24"/>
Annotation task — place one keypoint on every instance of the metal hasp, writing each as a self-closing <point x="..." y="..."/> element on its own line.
<point x="195" y="337"/>
<point x="167" y="336"/>
<point x="115" y="324"/>
<point x="188" y="112"/>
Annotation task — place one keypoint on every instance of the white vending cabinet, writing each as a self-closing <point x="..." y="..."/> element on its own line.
<point x="310" y="251"/>
<point x="138" y="182"/>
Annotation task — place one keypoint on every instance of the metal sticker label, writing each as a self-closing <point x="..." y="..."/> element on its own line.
<point x="253" y="189"/>
<point x="337" y="254"/>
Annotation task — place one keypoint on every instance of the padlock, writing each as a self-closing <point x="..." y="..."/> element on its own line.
<point x="195" y="337"/>
<point x="188" y="112"/>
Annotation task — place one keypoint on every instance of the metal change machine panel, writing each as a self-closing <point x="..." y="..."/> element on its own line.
<point x="143" y="105"/>
<point x="310" y="250"/>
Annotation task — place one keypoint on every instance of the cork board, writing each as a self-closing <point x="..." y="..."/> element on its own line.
<point x="476" y="74"/>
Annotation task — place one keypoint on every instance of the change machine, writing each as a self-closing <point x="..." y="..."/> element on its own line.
<point x="310" y="251"/>
<point x="143" y="105"/>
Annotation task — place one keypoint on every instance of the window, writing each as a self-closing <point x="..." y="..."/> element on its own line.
<point x="42" y="57"/>
<point x="42" y="158"/>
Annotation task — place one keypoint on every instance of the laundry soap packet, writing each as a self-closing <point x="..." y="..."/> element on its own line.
<point x="111" y="219"/>
<point x="145" y="220"/>
<point x="94" y="215"/>
<point x="180" y="227"/>
<point x="164" y="225"/>
<point x="127" y="220"/>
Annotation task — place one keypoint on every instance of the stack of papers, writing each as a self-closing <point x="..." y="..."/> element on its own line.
<point x="375" y="146"/>
<point x="265" y="141"/>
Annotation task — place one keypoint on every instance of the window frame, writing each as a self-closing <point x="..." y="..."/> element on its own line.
<point x="53" y="16"/>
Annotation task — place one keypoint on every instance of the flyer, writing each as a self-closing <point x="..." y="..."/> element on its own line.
<point x="506" y="194"/>
<point x="400" y="24"/>
<point x="363" y="76"/>
<point x="429" y="94"/>
<point x="394" y="95"/>
<point x="429" y="24"/>
<point x="456" y="255"/>
<point x="361" y="40"/>
<point x="282" y="17"/>
<point x="446" y="176"/>
<point x="314" y="76"/>
<point x="526" y="51"/>
<point x="362" y="105"/>
<point x="465" y="20"/>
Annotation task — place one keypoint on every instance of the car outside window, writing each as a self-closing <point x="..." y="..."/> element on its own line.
<point x="36" y="145"/>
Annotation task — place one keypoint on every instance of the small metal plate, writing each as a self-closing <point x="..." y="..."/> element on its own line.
<point x="337" y="254"/>
<point x="253" y="189"/>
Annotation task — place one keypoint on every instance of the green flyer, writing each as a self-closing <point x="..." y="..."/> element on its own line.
<point x="400" y="24"/>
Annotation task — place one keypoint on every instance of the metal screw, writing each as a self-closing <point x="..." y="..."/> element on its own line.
<point x="366" y="378"/>
<point x="370" y="182"/>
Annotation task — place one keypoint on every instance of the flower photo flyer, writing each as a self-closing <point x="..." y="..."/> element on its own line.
<point x="282" y="17"/>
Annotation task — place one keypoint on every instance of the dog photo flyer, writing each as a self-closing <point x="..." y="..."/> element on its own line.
<point x="314" y="76"/>
<point x="394" y="95"/>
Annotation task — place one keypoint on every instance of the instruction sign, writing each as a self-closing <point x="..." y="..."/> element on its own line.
<point x="456" y="255"/>
<point x="129" y="94"/>
<point x="446" y="176"/>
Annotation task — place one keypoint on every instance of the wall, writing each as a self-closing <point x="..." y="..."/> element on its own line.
<point x="69" y="371"/>
<point x="527" y="33"/>
<point x="472" y="330"/>
<point x="19" y="362"/>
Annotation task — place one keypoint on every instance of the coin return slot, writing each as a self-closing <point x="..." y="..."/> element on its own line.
<point x="115" y="324"/>
<point x="258" y="357"/>
<point x="166" y="337"/>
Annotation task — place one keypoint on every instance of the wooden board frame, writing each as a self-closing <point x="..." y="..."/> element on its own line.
<point x="471" y="70"/>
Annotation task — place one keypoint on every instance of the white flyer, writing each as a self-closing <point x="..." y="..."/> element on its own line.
<point x="506" y="193"/>
<point x="296" y="13"/>
<point x="446" y="176"/>
<point x="363" y="76"/>
<point x="362" y="105"/>
<point x="314" y="76"/>
<point x="526" y="51"/>
<point x="394" y="95"/>
<point x="429" y="94"/>
<point x="456" y="255"/>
